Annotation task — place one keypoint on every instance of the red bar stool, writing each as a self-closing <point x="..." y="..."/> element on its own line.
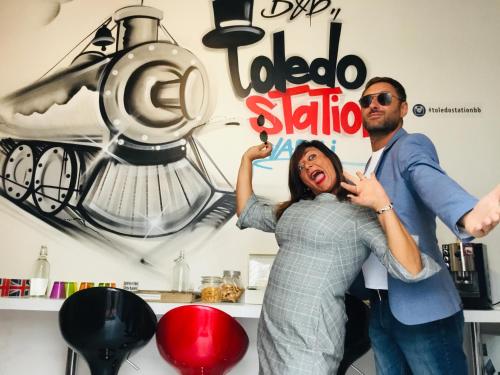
<point x="200" y="339"/>
<point x="106" y="325"/>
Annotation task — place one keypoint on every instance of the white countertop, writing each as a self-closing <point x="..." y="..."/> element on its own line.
<point x="482" y="316"/>
<point x="238" y="310"/>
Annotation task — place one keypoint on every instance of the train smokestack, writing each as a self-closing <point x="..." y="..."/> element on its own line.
<point x="137" y="25"/>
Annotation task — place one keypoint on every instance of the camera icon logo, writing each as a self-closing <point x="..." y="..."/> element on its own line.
<point x="419" y="110"/>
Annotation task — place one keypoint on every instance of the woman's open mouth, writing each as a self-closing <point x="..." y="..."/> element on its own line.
<point x="318" y="176"/>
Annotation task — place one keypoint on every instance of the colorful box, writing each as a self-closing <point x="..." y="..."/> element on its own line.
<point x="4" y="287"/>
<point x="19" y="288"/>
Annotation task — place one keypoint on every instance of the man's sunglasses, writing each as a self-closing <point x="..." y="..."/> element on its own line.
<point x="383" y="98"/>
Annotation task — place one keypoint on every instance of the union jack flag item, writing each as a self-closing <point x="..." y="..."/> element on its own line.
<point x="19" y="288"/>
<point x="4" y="287"/>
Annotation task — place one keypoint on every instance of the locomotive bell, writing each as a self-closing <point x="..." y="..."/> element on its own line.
<point x="103" y="38"/>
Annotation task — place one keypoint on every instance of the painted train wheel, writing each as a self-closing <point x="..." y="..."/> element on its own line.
<point x="18" y="172"/>
<point x="55" y="177"/>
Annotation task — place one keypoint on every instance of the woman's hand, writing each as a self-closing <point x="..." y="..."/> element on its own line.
<point x="260" y="151"/>
<point x="366" y="191"/>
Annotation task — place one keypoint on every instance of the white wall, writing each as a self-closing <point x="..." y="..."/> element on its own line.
<point x="33" y="334"/>
<point x="445" y="53"/>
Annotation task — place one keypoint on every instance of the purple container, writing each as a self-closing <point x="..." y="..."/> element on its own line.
<point x="58" y="290"/>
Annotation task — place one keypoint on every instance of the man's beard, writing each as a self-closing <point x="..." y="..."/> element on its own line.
<point x="386" y="128"/>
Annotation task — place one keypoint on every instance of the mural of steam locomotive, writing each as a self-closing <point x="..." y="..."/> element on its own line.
<point x="111" y="139"/>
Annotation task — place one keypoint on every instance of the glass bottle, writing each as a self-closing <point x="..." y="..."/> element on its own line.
<point x="231" y="288"/>
<point x="180" y="274"/>
<point x="40" y="276"/>
<point x="211" y="289"/>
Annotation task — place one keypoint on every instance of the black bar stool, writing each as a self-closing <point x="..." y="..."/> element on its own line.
<point x="105" y="326"/>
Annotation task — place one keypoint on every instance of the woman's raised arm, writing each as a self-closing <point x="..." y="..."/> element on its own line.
<point x="244" y="183"/>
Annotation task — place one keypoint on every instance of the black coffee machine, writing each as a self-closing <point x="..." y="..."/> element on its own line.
<point x="468" y="265"/>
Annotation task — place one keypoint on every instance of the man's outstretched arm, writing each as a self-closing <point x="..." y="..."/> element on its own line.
<point x="485" y="215"/>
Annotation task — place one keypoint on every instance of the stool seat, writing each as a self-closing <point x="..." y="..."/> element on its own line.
<point x="198" y="339"/>
<point x="106" y="325"/>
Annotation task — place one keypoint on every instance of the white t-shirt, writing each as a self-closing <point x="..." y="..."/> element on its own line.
<point x="374" y="272"/>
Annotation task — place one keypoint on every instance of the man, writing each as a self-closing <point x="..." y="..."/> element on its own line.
<point x="417" y="328"/>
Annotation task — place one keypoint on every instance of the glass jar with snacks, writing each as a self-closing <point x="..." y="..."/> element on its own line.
<point x="231" y="288"/>
<point x="211" y="289"/>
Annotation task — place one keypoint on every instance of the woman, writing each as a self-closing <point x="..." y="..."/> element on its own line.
<point x="323" y="241"/>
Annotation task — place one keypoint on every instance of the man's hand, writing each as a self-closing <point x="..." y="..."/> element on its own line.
<point x="484" y="216"/>
<point x="365" y="191"/>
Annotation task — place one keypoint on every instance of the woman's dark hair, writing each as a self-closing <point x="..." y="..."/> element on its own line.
<point x="298" y="190"/>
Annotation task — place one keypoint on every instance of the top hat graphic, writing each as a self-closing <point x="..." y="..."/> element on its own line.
<point x="233" y="25"/>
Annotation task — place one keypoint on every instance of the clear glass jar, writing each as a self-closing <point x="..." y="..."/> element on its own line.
<point x="232" y="287"/>
<point x="211" y="289"/>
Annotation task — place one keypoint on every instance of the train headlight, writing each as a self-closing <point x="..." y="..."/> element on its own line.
<point x="154" y="93"/>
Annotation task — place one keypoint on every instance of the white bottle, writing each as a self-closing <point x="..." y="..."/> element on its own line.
<point x="40" y="277"/>
<point x="180" y="274"/>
